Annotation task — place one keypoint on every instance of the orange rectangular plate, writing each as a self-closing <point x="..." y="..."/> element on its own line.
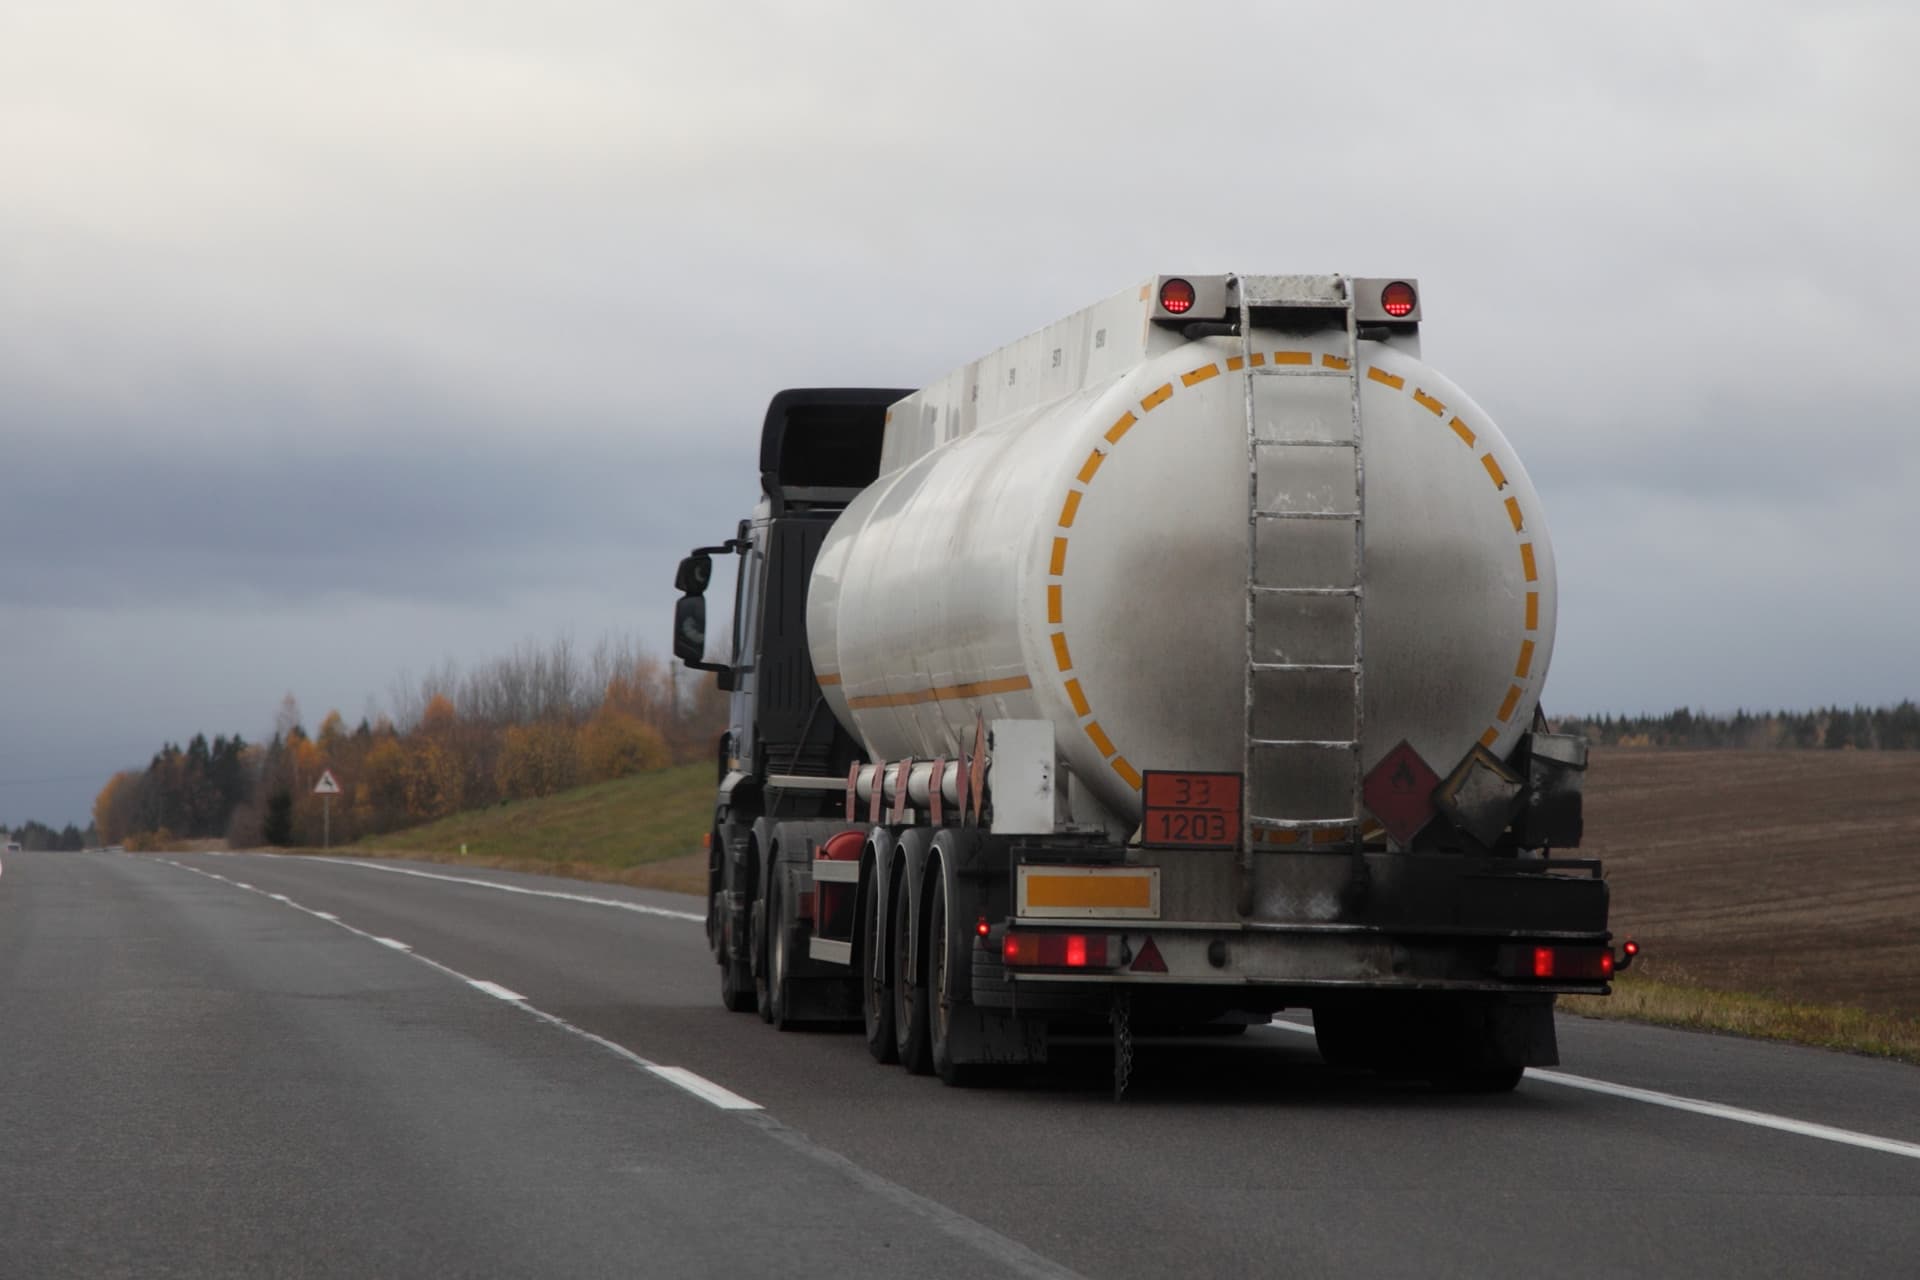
<point x="1191" y="810"/>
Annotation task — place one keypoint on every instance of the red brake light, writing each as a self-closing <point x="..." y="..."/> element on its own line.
<point x="1176" y="297"/>
<point x="1010" y="948"/>
<point x="1397" y="299"/>
<point x="1606" y="964"/>
<point x="1077" y="951"/>
<point x="1543" y="962"/>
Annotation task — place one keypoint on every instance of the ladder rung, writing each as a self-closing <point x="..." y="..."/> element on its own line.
<point x="1305" y="666"/>
<point x="1296" y="371"/>
<point x="1324" y="744"/>
<point x="1302" y="824"/>
<point x="1302" y="444"/>
<point x="1307" y="591"/>
<point x="1306" y="515"/>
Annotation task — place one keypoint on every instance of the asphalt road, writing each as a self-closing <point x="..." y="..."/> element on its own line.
<point x="199" y="1077"/>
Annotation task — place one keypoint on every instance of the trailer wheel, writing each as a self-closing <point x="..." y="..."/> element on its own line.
<point x="779" y="962"/>
<point x="909" y="995"/>
<point x="876" y="992"/>
<point x="939" y="1001"/>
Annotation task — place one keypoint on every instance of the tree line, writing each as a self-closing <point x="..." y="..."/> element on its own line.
<point x="529" y="724"/>
<point x="39" y="837"/>
<point x="1860" y="728"/>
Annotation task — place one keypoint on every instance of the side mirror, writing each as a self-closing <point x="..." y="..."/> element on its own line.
<point x="690" y="627"/>
<point x="696" y="571"/>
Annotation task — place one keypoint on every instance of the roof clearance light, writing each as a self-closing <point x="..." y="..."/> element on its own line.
<point x="1176" y="297"/>
<point x="1397" y="299"/>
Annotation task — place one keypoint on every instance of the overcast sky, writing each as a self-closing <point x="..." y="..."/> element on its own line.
<point x="340" y="340"/>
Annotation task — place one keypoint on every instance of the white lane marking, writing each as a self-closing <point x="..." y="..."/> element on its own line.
<point x="1721" y="1111"/>
<point x="699" y="1086"/>
<point x="1701" y="1107"/>
<point x="238" y="884"/>
<point x="640" y="907"/>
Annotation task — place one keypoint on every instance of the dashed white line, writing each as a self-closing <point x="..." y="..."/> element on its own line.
<point x="699" y="1086"/>
<point x="1701" y="1107"/>
<point x="638" y="907"/>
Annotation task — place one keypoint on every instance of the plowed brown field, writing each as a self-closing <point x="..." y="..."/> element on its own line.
<point x="1788" y="873"/>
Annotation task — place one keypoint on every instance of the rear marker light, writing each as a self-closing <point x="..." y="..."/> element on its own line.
<point x="1077" y="951"/>
<point x="1176" y="297"/>
<point x="1059" y="950"/>
<point x="983" y="928"/>
<point x="1398" y="299"/>
<point x="1543" y="962"/>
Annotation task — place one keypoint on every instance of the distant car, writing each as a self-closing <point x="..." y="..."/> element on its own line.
<point x="13" y="846"/>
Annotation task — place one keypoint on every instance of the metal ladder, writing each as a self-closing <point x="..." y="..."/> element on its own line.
<point x="1269" y="682"/>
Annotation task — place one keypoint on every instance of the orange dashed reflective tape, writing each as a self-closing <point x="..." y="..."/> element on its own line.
<point x="1120" y="428"/>
<point x="977" y="689"/>
<point x="1300" y="357"/>
<point x="1511" y="701"/>
<point x="1053" y="605"/>
<point x="1428" y="403"/>
<point x="1462" y="430"/>
<point x="1059" y="562"/>
<point x="1494" y="472"/>
<point x="1100" y="738"/>
<point x="1072" y="504"/>
<point x="1377" y="374"/>
<point x="1091" y="465"/>
<point x="1127" y="771"/>
<point x="1201" y="374"/>
<point x="1077" y="697"/>
<point x="1060" y="651"/>
<point x="1526" y="660"/>
<point x="1155" y="399"/>
<point x="1331" y="362"/>
<point x="1533" y="610"/>
<point x="1513" y="513"/>
<point x="1526" y="562"/>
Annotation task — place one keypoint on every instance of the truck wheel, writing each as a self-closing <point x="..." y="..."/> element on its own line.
<point x="939" y="1002"/>
<point x="909" y="995"/>
<point x="736" y="975"/>
<point x="876" y="992"/>
<point x="1477" y="1079"/>
<point x="779" y="962"/>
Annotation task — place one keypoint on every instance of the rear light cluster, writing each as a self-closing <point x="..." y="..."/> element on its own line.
<point x="1176" y="297"/>
<point x="1557" y="963"/>
<point x="1060" y="950"/>
<point x="1398" y="299"/>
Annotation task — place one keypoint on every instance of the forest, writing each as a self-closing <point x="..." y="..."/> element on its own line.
<point x="529" y="724"/>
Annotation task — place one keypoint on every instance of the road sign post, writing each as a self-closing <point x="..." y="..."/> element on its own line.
<point x="326" y="789"/>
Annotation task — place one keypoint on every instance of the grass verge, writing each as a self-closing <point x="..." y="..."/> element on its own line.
<point x="1825" y="1026"/>
<point x="645" y="830"/>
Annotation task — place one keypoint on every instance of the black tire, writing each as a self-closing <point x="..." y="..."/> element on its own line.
<point x="876" y="991"/>
<point x="779" y="961"/>
<point x="940" y="1004"/>
<point x="736" y="976"/>
<point x="910" y="1038"/>
<point x="762" y="917"/>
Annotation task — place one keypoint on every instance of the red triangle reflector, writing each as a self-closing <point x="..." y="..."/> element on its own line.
<point x="1147" y="959"/>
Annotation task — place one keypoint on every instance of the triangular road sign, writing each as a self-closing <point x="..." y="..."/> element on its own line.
<point x="326" y="786"/>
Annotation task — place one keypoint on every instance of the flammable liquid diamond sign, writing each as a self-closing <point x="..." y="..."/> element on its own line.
<point x="1399" y="792"/>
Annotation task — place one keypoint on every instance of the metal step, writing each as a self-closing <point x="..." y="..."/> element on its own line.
<point x="1307" y="591"/>
<point x="1303" y="444"/>
<point x="1324" y="744"/>
<point x="1306" y="515"/>
<point x="1304" y="666"/>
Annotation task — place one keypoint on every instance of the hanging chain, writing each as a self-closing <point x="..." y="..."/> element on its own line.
<point x="1122" y="1020"/>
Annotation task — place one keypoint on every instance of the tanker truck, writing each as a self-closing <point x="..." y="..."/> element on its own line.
<point x="1175" y="665"/>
